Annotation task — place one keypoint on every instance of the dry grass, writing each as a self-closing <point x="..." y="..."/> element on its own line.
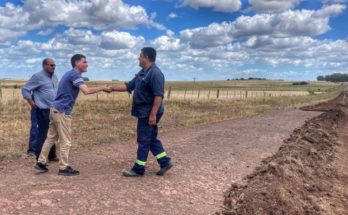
<point x="106" y="119"/>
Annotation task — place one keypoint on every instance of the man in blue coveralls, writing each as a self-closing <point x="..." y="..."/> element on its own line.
<point x="148" y="92"/>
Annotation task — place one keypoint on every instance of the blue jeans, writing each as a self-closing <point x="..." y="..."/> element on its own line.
<point x="43" y="119"/>
<point x="33" y="131"/>
<point x="147" y="141"/>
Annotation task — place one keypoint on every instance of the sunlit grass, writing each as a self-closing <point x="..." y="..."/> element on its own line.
<point x="106" y="119"/>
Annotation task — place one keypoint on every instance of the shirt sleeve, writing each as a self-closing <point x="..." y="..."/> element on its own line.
<point x="32" y="84"/>
<point x="157" y="83"/>
<point x="131" y="85"/>
<point x="77" y="80"/>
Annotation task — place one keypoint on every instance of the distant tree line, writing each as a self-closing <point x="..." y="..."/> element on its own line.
<point x="335" y="77"/>
<point x="300" y="83"/>
<point x="242" y="79"/>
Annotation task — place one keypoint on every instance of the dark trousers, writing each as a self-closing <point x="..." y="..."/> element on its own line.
<point x="33" y="131"/>
<point x="43" y="120"/>
<point x="147" y="141"/>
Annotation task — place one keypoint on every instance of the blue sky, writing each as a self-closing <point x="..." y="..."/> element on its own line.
<point x="205" y="39"/>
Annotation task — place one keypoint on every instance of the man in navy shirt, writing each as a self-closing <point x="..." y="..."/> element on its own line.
<point x="60" y="115"/>
<point x="40" y="92"/>
<point x="148" y="91"/>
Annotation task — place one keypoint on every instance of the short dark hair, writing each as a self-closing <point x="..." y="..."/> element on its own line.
<point x="75" y="58"/>
<point x="150" y="53"/>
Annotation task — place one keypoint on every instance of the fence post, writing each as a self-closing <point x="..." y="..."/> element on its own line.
<point x="199" y="93"/>
<point x="0" y="90"/>
<point x="246" y="94"/>
<point x="169" y="92"/>
<point x="209" y="94"/>
<point x="217" y="93"/>
<point x="185" y="93"/>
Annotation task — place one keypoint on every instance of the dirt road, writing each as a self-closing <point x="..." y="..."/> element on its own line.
<point x="207" y="159"/>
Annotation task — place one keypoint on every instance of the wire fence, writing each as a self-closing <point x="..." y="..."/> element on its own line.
<point x="10" y="94"/>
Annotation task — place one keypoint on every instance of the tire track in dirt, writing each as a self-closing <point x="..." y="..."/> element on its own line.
<point x="207" y="159"/>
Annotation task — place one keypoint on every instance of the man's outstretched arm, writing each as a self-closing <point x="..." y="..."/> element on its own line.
<point x="90" y="90"/>
<point x="119" y="88"/>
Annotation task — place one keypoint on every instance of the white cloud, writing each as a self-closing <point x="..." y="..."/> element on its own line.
<point x="227" y="6"/>
<point x="213" y="35"/>
<point x="288" y="23"/>
<point x="13" y="23"/>
<point x="78" y="37"/>
<point x="301" y="23"/>
<point x="98" y="14"/>
<point x="46" y="32"/>
<point x="272" y="6"/>
<point x="329" y="10"/>
<point x="95" y="14"/>
<point x="6" y="35"/>
<point x="173" y="15"/>
<point x="119" y="40"/>
<point x="167" y="43"/>
<point x="270" y="40"/>
<point x="267" y="42"/>
<point x="33" y="60"/>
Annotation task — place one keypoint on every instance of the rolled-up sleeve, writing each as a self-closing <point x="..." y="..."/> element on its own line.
<point x="131" y="85"/>
<point x="77" y="80"/>
<point x="157" y="83"/>
<point x="32" y="84"/>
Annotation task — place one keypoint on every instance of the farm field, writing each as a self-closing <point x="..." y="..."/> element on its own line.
<point x="108" y="115"/>
<point x="247" y="152"/>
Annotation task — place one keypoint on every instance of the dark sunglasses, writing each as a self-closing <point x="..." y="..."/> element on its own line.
<point x="51" y="65"/>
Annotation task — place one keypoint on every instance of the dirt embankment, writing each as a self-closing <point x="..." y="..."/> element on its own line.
<point x="308" y="175"/>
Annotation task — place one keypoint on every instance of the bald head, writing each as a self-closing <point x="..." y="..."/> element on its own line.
<point x="48" y="65"/>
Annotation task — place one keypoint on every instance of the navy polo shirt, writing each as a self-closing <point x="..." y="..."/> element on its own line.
<point x="68" y="90"/>
<point x="145" y="86"/>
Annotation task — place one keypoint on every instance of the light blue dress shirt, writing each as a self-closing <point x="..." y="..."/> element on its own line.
<point x="42" y="88"/>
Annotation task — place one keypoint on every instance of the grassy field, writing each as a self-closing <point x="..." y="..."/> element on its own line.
<point x="105" y="118"/>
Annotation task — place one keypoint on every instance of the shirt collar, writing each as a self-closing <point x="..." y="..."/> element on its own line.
<point x="148" y="69"/>
<point x="47" y="74"/>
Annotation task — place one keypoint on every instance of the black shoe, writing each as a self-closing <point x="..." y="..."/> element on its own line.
<point x="163" y="170"/>
<point x="131" y="173"/>
<point x="31" y="154"/>
<point x="55" y="159"/>
<point x="41" y="167"/>
<point x="68" y="171"/>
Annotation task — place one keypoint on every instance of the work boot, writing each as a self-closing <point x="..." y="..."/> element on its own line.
<point x="163" y="170"/>
<point x="131" y="173"/>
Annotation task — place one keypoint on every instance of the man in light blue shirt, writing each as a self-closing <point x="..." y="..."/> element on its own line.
<point x="40" y="91"/>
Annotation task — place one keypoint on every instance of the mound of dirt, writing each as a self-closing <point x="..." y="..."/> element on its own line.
<point x="336" y="104"/>
<point x="301" y="175"/>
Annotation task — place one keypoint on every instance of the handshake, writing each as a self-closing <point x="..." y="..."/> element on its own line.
<point x="107" y="88"/>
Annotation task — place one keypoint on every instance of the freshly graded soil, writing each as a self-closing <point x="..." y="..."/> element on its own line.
<point x="309" y="173"/>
